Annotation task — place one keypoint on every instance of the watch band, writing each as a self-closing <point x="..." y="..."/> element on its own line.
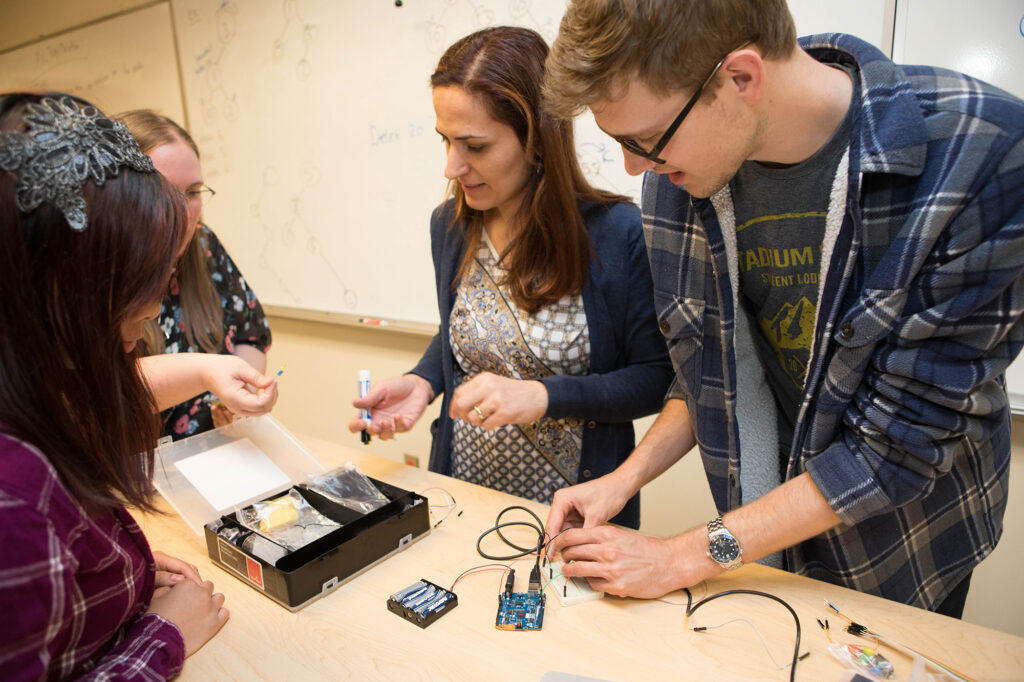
<point x="717" y="533"/>
<point x="716" y="524"/>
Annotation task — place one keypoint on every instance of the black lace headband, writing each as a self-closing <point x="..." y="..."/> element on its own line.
<point x="64" y="145"/>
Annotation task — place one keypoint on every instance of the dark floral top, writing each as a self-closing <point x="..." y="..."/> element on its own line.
<point x="244" y="322"/>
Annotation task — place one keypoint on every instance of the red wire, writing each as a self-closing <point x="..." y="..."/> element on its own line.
<point x="479" y="570"/>
<point x="484" y="570"/>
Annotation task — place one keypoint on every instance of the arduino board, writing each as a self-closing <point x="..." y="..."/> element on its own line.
<point x="520" y="611"/>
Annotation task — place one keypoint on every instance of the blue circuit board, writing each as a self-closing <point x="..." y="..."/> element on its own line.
<point x="520" y="611"/>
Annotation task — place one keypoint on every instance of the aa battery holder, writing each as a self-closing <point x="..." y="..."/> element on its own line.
<point x="422" y="603"/>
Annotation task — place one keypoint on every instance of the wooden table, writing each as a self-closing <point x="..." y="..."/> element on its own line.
<point x="350" y="634"/>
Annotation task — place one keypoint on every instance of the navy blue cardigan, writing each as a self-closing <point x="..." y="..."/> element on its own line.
<point x="630" y="370"/>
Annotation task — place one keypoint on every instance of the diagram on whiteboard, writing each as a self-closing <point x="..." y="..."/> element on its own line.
<point x="294" y="232"/>
<point x="217" y="101"/>
<point x="316" y="127"/>
<point x="243" y="60"/>
<point x="307" y="32"/>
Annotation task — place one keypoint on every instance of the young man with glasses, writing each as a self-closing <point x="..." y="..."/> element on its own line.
<point x="837" y="245"/>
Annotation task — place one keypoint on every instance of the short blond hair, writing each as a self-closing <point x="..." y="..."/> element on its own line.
<point x="671" y="45"/>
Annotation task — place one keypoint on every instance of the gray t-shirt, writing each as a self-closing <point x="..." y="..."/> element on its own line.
<point x="780" y="225"/>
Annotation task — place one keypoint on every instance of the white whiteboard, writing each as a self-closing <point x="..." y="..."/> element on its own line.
<point x="317" y="131"/>
<point x="870" y="20"/>
<point x="127" y="62"/>
<point x="316" y="126"/>
<point x="982" y="39"/>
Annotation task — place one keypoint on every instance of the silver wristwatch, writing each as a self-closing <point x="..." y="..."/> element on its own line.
<point x="723" y="546"/>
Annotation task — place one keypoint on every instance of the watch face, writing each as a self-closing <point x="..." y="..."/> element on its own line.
<point x="723" y="548"/>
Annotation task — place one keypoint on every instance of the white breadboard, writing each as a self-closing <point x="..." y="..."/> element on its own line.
<point x="569" y="590"/>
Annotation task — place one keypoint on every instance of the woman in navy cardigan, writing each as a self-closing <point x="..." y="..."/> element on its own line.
<point x="548" y="347"/>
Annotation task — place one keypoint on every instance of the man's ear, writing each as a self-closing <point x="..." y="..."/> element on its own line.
<point x="746" y="72"/>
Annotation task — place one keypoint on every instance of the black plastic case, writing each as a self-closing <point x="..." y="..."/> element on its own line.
<point x="315" y="570"/>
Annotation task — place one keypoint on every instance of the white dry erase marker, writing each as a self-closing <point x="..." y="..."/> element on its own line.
<point x="364" y="388"/>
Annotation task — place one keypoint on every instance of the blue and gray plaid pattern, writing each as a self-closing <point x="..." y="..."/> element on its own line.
<point x="905" y="425"/>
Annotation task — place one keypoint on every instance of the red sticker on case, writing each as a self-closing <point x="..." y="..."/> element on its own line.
<point x="255" y="571"/>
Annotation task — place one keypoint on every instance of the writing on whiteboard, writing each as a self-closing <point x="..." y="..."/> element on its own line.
<point x="383" y="136"/>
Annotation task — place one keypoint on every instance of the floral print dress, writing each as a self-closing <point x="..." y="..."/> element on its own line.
<point x="244" y="323"/>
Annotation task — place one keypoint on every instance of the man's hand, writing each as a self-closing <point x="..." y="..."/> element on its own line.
<point x="628" y="564"/>
<point x="587" y="505"/>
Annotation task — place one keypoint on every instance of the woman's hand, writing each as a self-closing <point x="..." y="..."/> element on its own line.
<point x="171" y="571"/>
<point x="176" y="377"/>
<point x="220" y="415"/>
<point x="243" y="389"/>
<point x="490" y="401"/>
<point x="195" y="609"/>
<point x="395" y="405"/>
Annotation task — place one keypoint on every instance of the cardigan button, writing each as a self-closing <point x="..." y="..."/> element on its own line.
<point x="585" y="473"/>
<point x="732" y="480"/>
<point x="665" y="327"/>
<point x="591" y="424"/>
<point x="846" y="331"/>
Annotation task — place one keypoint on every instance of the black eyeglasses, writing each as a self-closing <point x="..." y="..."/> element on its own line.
<point x="204" y="193"/>
<point x="633" y="148"/>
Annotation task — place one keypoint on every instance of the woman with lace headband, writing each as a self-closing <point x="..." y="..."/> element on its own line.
<point x="548" y="346"/>
<point x="209" y="308"/>
<point x="89" y="233"/>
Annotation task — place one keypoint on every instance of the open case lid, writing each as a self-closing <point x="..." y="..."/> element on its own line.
<point x="213" y="473"/>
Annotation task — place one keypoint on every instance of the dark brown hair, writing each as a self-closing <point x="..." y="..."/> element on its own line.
<point x="201" y="310"/>
<point x="550" y="249"/>
<point x="66" y="384"/>
<point x="670" y="45"/>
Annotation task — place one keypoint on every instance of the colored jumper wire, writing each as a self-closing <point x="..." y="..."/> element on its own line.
<point x="855" y="628"/>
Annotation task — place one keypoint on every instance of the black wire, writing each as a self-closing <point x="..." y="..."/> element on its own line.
<point x="522" y="553"/>
<point x="498" y="525"/>
<point x="539" y="526"/>
<point x="691" y="608"/>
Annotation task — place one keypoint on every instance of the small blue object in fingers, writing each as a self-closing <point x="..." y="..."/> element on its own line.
<point x="364" y="388"/>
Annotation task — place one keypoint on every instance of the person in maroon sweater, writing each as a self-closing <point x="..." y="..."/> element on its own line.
<point x="89" y="234"/>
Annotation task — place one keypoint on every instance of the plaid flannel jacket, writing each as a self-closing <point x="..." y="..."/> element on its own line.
<point x="904" y="424"/>
<point x="74" y="586"/>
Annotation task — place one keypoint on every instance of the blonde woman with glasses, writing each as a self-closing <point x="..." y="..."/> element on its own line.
<point x="209" y="307"/>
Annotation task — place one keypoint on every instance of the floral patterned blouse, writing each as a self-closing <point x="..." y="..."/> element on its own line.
<point x="244" y="322"/>
<point x="489" y="333"/>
